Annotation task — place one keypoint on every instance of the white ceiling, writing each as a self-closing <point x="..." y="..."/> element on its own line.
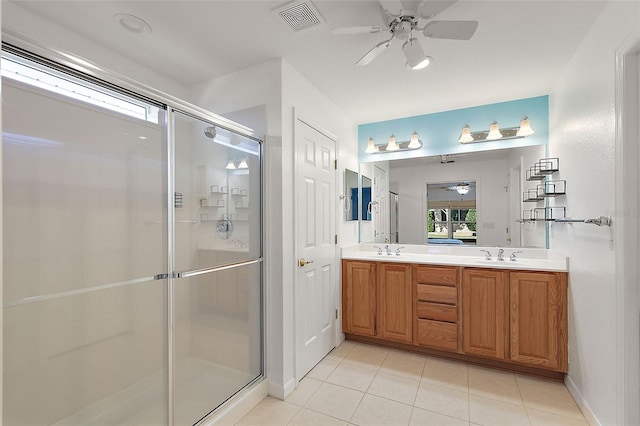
<point x="518" y="50"/>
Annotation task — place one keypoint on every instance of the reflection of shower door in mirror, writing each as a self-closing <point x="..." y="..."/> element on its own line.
<point x="381" y="209"/>
<point x="393" y="216"/>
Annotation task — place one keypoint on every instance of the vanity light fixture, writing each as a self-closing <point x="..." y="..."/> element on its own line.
<point x="465" y="136"/>
<point x="525" y="127"/>
<point x="414" y="143"/>
<point x="243" y="164"/>
<point x="394" y="145"/>
<point x="495" y="132"/>
<point x="371" y="147"/>
<point x="231" y="165"/>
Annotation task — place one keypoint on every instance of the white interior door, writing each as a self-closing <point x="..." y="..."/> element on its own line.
<point x="315" y="286"/>
<point x="381" y="206"/>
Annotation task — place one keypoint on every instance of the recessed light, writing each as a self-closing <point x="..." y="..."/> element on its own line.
<point x="132" y="23"/>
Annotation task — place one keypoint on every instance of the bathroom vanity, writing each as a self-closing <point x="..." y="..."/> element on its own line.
<point x="456" y="302"/>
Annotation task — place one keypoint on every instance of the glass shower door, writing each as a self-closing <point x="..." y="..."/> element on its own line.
<point x="218" y="296"/>
<point x="84" y="220"/>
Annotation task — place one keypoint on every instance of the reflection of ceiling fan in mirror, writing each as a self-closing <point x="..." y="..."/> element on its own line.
<point x="461" y="188"/>
<point x="403" y="20"/>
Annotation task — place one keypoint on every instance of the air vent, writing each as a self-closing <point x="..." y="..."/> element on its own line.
<point x="299" y="16"/>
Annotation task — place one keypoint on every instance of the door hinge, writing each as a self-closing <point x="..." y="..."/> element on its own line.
<point x="336" y="314"/>
<point x="335" y="164"/>
<point x="336" y="239"/>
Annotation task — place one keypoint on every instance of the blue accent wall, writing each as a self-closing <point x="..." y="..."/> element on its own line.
<point x="439" y="132"/>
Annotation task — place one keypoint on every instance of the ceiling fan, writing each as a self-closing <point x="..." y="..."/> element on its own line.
<point x="403" y="23"/>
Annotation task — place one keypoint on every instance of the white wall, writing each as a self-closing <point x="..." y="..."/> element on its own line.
<point x="491" y="202"/>
<point x="582" y="129"/>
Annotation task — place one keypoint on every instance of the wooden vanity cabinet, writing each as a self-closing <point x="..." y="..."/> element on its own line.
<point x="436" y="307"/>
<point x="359" y="297"/>
<point x="395" y="302"/>
<point x="377" y="300"/>
<point x="538" y="319"/>
<point x="485" y="320"/>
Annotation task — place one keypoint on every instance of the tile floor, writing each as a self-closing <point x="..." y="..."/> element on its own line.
<point x="359" y="384"/>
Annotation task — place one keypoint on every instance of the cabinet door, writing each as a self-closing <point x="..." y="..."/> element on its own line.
<point x="484" y="312"/>
<point x="395" y="302"/>
<point x="539" y="319"/>
<point x="358" y="297"/>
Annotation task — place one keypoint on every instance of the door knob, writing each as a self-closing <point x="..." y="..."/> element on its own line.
<point x="302" y="262"/>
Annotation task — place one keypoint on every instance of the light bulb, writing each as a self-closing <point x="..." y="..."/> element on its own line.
<point x="392" y="145"/>
<point x="415" y="141"/>
<point x="525" y="127"/>
<point x="494" y="132"/>
<point x="231" y="165"/>
<point x="465" y="136"/>
<point x="371" y="147"/>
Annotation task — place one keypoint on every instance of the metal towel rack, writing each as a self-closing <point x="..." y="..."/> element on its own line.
<point x="600" y="221"/>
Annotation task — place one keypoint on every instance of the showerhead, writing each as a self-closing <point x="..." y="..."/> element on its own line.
<point x="210" y="132"/>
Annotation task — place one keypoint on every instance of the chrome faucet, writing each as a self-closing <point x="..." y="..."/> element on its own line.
<point x="379" y="250"/>
<point x="513" y="255"/>
<point x="387" y="247"/>
<point x="501" y="255"/>
<point x="488" y="255"/>
<point x="398" y="251"/>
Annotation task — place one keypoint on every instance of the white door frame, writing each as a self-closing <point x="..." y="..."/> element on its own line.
<point x="626" y="231"/>
<point x="297" y="116"/>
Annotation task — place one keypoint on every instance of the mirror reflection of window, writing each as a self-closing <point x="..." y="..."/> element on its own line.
<point x="451" y="213"/>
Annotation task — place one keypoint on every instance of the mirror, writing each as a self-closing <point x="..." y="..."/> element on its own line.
<point x="451" y="213"/>
<point x="499" y="179"/>
<point x="350" y="195"/>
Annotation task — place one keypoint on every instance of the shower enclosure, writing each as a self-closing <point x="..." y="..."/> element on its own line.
<point x="132" y="252"/>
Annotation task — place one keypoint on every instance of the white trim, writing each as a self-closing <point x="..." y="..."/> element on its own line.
<point x="627" y="234"/>
<point x="236" y="408"/>
<point x="582" y="404"/>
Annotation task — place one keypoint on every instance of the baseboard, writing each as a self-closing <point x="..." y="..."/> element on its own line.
<point x="280" y="391"/>
<point x="582" y="404"/>
<point x="239" y="406"/>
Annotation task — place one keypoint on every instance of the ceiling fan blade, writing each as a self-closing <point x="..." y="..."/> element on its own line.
<point x="373" y="53"/>
<point x="452" y="30"/>
<point x="392" y="7"/>
<point x="430" y="8"/>
<point x="358" y="30"/>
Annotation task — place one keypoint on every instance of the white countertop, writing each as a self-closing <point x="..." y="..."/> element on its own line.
<point x="530" y="259"/>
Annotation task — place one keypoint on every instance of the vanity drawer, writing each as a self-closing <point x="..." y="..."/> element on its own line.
<point x="437" y="275"/>
<point x="437" y="293"/>
<point x="437" y="334"/>
<point x="436" y="311"/>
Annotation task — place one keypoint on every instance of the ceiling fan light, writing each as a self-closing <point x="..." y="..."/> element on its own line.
<point x="416" y="59"/>
<point x="463" y="188"/>
<point x="494" y="132"/>
<point x="392" y="145"/>
<point x="465" y="135"/>
<point x="525" y="127"/>
<point x="415" y="141"/>
<point x="371" y="147"/>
